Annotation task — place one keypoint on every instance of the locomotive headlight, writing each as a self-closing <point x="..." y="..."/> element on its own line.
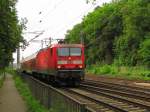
<point x="80" y="66"/>
<point x="61" y="62"/>
<point x="77" y="62"/>
<point x="58" y="67"/>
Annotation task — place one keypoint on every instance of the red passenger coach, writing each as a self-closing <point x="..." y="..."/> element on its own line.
<point x="59" y="63"/>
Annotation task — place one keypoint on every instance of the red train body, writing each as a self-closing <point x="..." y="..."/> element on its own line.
<point x="57" y="63"/>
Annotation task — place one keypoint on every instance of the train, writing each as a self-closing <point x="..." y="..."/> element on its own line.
<point x="59" y="63"/>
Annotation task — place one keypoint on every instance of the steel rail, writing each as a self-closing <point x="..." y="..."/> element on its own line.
<point x="100" y="101"/>
<point x="119" y="87"/>
<point x="120" y="98"/>
<point x="121" y="93"/>
<point x="146" y="90"/>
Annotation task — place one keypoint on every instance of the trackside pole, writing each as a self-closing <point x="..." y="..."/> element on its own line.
<point x="18" y="57"/>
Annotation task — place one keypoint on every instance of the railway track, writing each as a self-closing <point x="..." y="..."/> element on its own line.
<point x="122" y="90"/>
<point x="114" y="97"/>
<point x="105" y="102"/>
<point x="107" y="97"/>
<point x="116" y="85"/>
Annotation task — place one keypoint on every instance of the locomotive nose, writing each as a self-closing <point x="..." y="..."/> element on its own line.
<point x="69" y="63"/>
<point x="70" y="58"/>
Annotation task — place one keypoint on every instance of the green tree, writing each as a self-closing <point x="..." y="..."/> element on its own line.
<point x="115" y="33"/>
<point x="10" y="31"/>
<point x="145" y="52"/>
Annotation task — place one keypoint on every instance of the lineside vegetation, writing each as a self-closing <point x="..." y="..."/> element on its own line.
<point x="116" y="33"/>
<point x="1" y="78"/>
<point x="139" y="73"/>
<point x="10" y="31"/>
<point x="32" y="104"/>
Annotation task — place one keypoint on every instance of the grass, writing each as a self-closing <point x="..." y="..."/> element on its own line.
<point x="139" y="73"/>
<point x="32" y="104"/>
<point x="1" y="82"/>
<point x="1" y="78"/>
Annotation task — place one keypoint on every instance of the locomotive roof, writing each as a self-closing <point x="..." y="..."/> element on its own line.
<point x="66" y="45"/>
<point x="54" y="45"/>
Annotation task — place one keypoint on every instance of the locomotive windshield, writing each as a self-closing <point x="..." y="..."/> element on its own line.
<point x="69" y="51"/>
<point x="75" y="51"/>
<point x="63" y="51"/>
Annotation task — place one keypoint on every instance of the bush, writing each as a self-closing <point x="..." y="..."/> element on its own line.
<point x="145" y="52"/>
<point x="124" y="71"/>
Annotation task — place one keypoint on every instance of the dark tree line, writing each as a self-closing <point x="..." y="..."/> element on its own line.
<point x="118" y="32"/>
<point x="10" y="31"/>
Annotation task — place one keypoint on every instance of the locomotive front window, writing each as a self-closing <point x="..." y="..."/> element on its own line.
<point x="75" y="51"/>
<point x="63" y="51"/>
<point x="69" y="51"/>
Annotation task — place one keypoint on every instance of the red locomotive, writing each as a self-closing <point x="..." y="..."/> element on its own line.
<point x="59" y="63"/>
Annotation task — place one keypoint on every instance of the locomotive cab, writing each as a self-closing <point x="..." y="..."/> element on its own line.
<point x="70" y="62"/>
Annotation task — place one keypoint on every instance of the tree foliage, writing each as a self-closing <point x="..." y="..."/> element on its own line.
<point x="117" y="32"/>
<point x="145" y="52"/>
<point x="10" y="31"/>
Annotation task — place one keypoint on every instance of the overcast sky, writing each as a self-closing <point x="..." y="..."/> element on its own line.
<point x="54" y="17"/>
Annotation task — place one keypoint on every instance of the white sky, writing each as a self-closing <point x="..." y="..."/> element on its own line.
<point x="57" y="17"/>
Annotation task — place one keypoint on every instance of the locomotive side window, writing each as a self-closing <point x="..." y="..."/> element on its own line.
<point x="63" y="51"/>
<point x="75" y="51"/>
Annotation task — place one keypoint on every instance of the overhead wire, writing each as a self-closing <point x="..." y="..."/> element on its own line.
<point x="41" y="32"/>
<point x="51" y="13"/>
<point x="69" y="22"/>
